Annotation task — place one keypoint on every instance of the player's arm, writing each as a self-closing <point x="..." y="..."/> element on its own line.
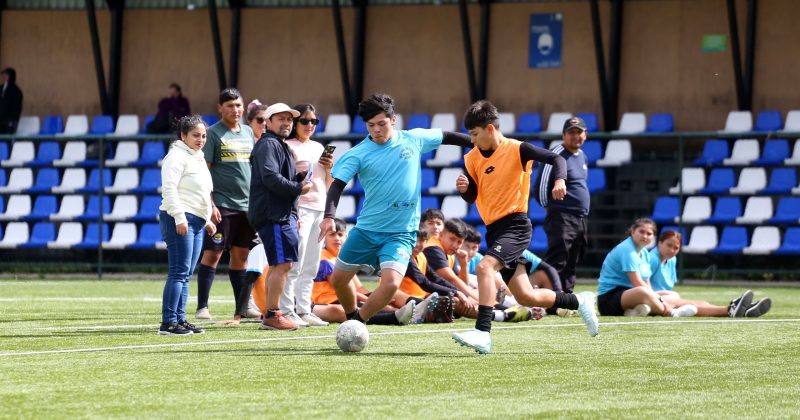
<point x="331" y="202"/>
<point x="271" y="176"/>
<point x="467" y="187"/>
<point x="456" y="139"/>
<point x="437" y="261"/>
<point x="529" y="152"/>
<point x="413" y="272"/>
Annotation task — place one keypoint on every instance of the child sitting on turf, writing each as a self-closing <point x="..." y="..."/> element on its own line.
<point x="663" y="259"/>
<point x="326" y="305"/>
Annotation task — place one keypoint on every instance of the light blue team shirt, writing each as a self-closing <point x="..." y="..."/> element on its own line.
<point x="621" y="260"/>
<point x="391" y="176"/>
<point x="664" y="275"/>
<point x="530" y="256"/>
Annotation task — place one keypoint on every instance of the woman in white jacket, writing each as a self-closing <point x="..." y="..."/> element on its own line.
<point x="185" y="213"/>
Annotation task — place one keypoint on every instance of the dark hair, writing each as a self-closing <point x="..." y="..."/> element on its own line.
<point x="229" y="94"/>
<point x="669" y="234"/>
<point x="302" y="109"/>
<point x="473" y="235"/>
<point x="176" y="87"/>
<point x="640" y="222"/>
<point x="456" y="227"/>
<point x="423" y="235"/>
<point x="375" y="104"/>
<point x="12" y="74"/>
<point x="187" y="123"/>
<point x="431" y="214"/>
<point x="480" y="114"/>
<point x="340" y="225"/>
<point x="254" y="107"/>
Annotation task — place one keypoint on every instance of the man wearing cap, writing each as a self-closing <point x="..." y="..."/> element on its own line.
<point x="274" y="189"/>
<point x="566" y="220"/>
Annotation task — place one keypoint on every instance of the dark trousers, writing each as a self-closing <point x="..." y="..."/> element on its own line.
<point x="566" y="243"/>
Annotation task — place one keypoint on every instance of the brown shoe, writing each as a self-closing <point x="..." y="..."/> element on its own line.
<point x="278" y="322"/>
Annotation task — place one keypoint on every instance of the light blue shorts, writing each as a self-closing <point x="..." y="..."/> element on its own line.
<point x="369" y="251"/>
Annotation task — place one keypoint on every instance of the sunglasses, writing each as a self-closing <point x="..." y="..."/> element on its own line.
<point x="306" y="121"/>
<point x="261" y="120"/>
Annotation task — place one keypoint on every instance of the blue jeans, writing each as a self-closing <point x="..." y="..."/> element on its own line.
<point x="183" y="253"/>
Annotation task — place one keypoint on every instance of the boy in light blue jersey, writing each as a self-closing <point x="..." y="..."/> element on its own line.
<point x="387" y="163"/>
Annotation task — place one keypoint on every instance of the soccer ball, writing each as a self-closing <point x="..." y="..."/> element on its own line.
<point x="352" y="336"/>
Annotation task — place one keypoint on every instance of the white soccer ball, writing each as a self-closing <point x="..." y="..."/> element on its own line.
<point x="352" y="336"/>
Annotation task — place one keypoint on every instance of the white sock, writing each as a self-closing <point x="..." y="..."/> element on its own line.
<point x="509" y="301"/>
<point x="499" y="316"/>
<point x="684" y="311"/>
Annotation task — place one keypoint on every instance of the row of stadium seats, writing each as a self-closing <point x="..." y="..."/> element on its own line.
<point x="698" y="209"/>
<point x="722" y="181"/>
<point x="74" y="180"/>
<point x="49" y="153"/>
<point x="78" y="125"/>
<point x="763" y="240"/>
<point x="81" y="208"/>
<point x="74" y="235"/>
<point x="748" y="152"/>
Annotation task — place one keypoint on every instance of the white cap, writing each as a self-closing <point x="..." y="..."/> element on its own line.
<point x="279" y="107"/>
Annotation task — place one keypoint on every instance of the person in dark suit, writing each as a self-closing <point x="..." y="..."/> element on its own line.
<point x="10" y="102"/>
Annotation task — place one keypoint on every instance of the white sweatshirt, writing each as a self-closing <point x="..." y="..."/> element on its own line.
<point x="185" y="183"/>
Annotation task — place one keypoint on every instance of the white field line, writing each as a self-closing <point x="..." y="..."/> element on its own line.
<point x="101" y="299"/>
<point x="413" y="331"/>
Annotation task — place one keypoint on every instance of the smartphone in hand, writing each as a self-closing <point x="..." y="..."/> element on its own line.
<point x="329" y="150"/>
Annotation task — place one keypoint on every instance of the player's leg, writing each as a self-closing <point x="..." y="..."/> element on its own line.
<point x="309" y="255"/>
<point x="345" y="289"/>
<point x="280" y="245"/>
<point x="305" y="219"/>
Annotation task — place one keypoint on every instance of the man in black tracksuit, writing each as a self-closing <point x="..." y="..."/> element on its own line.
<point x="566" y="220"/>
<point x="10" y="101"/>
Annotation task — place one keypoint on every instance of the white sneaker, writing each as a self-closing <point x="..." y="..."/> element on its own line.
<point x="480" y="341"/>
<point x="638" y="310"/>
<point x="405" y="313"/>
<point x="424" y="308"/>
<point x="252" y="313"/>
<point x="684" y="311"/>
<point x="586" y="301"/>
<point x="313" y="320"/>
<point x="566" y="313"/>
<point x="202" y="313"/>
<point x="291" y="316"/>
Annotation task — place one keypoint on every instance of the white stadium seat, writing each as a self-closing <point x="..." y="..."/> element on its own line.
<point x="19" y="180"/>
<point x="125" y="180"/>
<point x="21" y="152"/>
<point x="703" y="239"/>
<point x="692" y="179"/>
<point x="342" y="146"/>
<point x="454" y="206"/>
<point x="696" y="210"/>
<point x="125" y="207"/>
<point x="508" y="123"/>
<point x="795" y="158"/>
<point x="76" y="125"/>
<point x="337" y="125"/>
<point x="73" y="179"/>
<point x="72" y="206"/>
<point x="447" y="181"/>
<point x="28" y="126"/>
<point x="123" y="235"/>
<point x="126" y="152"/>
<point x="632" y="123"/>
<point x="555" y="125"/>
<point x="744" y="152"/>
<point x="738" y="121"/>
<point x="69" y="234"/>
<point x="750" y="181"/>
<point x="74" y="153"/>
<point x="127" y="125"/>
<point x="757" y="210"/>
<point x="792" y="123"/>
<point x="444" y="121"/>
<point x="18" y="206"/>
<point x="765" y="240"/>
<point x="17" y="233"/>
<point x="618" y="152"/>
<point x="446" y="155"/>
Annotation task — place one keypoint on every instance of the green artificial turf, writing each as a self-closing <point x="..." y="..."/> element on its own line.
<point x="636" y="367"/>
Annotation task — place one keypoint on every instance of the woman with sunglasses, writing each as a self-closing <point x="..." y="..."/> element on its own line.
<point x="256" y="117"/>
<point x="296" y="298"/>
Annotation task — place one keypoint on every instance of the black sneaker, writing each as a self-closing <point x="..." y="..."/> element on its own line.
<point x="739" y="305"/>
<point x="443" y="312"/>
<point x="191" y="327"/>
<point x="758" y="308"/>
<point x="173" y="328"/>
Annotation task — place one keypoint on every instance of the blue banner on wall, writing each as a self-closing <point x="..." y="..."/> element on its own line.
<point x="544" y="48"/>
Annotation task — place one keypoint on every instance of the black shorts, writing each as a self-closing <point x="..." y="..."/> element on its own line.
<point x="506" y="239"/>
<point x="232" y="230"/>
<point x="610" y="303"/>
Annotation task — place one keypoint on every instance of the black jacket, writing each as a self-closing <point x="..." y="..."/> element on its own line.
<point x="11" y="99"/>
<point x="273" y="189"/>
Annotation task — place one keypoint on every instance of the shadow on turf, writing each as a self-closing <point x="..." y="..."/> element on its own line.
<point x="288" y="351"/>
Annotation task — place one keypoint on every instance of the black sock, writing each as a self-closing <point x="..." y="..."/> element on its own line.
<point x="356" y="316"/>
<point x="566" y="301"/>
<point x="271" y="313"/>
<point x="551" y="311"/>
<point x="205" y="278"/>
<point x="242" y="295"/>
<point x="484" y="321"/>
<point x="383" y="318"/>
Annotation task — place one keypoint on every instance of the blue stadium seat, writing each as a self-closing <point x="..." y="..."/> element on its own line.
<point x="147" y="120"/>
<point x="726" y="210"/>
<point x="90" y="237"/>
<point x="152" y="152"/>
<point x="3" y="179"/>
<point x="788" y="211"/>
<point x="418" y="121"/>
<point x="590" y="118"/>
<point x="666" y="209"/>
<point x="596" y="180"/>
<point x="473" y="217"/>
<point x="781" y="181"/>
<point x="791" y="242"/>
<point x="148" y="209"/>
<point x="102" y="125"/>
<point x="150" y="181"/>
<point x="429" y="202"/>
<point x="679" y="229"/>
<point x="529" y="122"/>
<point x="357" y="187"/>
<point x="359" y="126"/>
<point x="2" y="204"/>
<point x="43" y="233"/>
<point x="43" y="207"/>
<point x="93" y="185"/>
<point x="537" y="143"/>
<point x="538" y="241"/>
<point x="732" y="241"/>
<point x="321" y="125"/>
<point x="210" y="119"/>
<point x="593" y="149"/>
<point x="481" y="228"/>
<point x="714" y="152"/>
<point x="535" y="212"/>
<point x="660" y="123"/>
<point x="52" y="124"/>
<point x="149" y="236"/>
<point x="3" y="150"/>
<point x="47" y="153"/>
<point x="46" y="179"/>
<point x="426" y="156"/>
<point x="428" y="179"/>
<point x="768" y="121"/>
<point x="775" y="151"/>
<point x="93" y="208"/>
<point x="720" y="181"/>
